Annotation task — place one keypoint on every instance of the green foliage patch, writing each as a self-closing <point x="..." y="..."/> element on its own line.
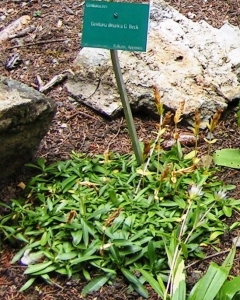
<point x="105" y="215"/>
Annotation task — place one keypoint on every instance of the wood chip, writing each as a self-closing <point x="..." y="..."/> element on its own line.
<point x="14" y="27"/>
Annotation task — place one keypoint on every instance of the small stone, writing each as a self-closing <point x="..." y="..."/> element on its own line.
<point x="191" y="15"/>
<point x="2" y="18"/>
<point x="46" y="5"/>
<point x="236" y="241"/>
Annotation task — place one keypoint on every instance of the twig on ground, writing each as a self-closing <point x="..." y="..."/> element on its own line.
<point x="37" y="43"/>
<point x="80" y="113"/>
<point x="207" y="257"/>
<point x="56" y="79"/>
<point x="113" y="138"/>
<point x="23" y="32"/>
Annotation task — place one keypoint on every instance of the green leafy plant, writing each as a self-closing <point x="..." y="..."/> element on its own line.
<point x="107" y="215"/>
<point x="213" y="285"/>
<point x="37" y="14"/>
<point x="84" y="214"/>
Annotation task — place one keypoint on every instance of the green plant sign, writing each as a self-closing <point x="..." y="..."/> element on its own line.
<point x="115" y="25"/>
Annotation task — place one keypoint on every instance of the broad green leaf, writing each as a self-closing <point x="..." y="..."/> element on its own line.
<point x="151" y="253"/>
<point x="69" y="271"/>
<point x="229" y="289"/>
<point x="100" y="169"/>
<point x="85" y="232"/>
<point x="229" y="187"/>
<point x="27" y="284"/>
<point x="37" y="267"/>
<point x="122" y="242"/>
<point x="137" y="285"/>
<point x="47" y="279"/>
<point x="129" y="221"/>
<point x="77" y="236"/>
<point x="113" y="197"/>
<point x="61" y="205"/>
<point x="227" y="211"/>
<point x="115" y="254"/>
<point x="179" y="282"/>
<point x="92" y="248"/>
<point x="21" y="237"/>
<point x="215" y="234"/>
<point x="84" y="258"/>
<point x="68" y="183"/>
<point x="184" y="250"/>
<point x="190" y="155"/>
<point x="130" y="250"/>
<point x="67" y="256"/>
<point x="95" y="284"/>
<point x="44" y="238"/>
<point x="138" y="235"/>
<point x="159" y="288"/>
<point x="118" y="222"/>
<point x="62" y="271"/>
<point x="210" y="284"/>
<point x="135" y="257"/>
<point x="8" y="229"/>
<point x="100" y="211"/>
<point x="228" y="262"/>
<point x="49" y="204"/>
<point x="45" y="271"/>
<point x="227" y="158"/>
<point x="179" y="149"/>
<point x="86" y="274"/>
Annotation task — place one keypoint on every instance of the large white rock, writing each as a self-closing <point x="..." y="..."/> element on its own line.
<point x="185" y="60"/>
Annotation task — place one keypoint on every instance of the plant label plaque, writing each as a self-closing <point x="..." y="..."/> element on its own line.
<point x="115" y="25"/>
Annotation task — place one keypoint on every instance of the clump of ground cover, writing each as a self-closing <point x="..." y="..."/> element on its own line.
<point x="106" y="215"/>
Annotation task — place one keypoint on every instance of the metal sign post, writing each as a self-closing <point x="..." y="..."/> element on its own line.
<point x="126" y="107"/>
<point x="117" y="26"/>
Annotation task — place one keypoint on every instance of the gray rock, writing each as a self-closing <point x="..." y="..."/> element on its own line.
<point x="25" y="117"/>
<point x="185" y="60"/>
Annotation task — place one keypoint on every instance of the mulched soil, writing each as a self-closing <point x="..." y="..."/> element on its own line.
<point x="53" y="46"/>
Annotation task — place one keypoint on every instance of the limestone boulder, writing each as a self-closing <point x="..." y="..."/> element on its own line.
<point x="185" y="60"/>
<point x="25" y="117"/>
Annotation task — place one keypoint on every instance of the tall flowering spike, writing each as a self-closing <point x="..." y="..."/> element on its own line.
<point x="113" y="216"/>
<point x="157" y="99"/>
<point x="72" y="215"/>
<point x="215" y="119"/>
<point x="146" y="150"/>
<point x="167" y="118"/>
<point x="197" y="123"/>
<point x="157" y="96"/>
<point x="165" y="172"/>
<point x="179" y="112"/>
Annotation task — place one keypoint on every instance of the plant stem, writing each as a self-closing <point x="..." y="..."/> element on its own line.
<point x="148" y="161"/>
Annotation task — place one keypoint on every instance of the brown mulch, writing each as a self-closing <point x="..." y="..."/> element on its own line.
<point x="78" y="128"/>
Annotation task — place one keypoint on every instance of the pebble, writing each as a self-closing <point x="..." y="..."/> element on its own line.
<point x="236" y="241"/>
